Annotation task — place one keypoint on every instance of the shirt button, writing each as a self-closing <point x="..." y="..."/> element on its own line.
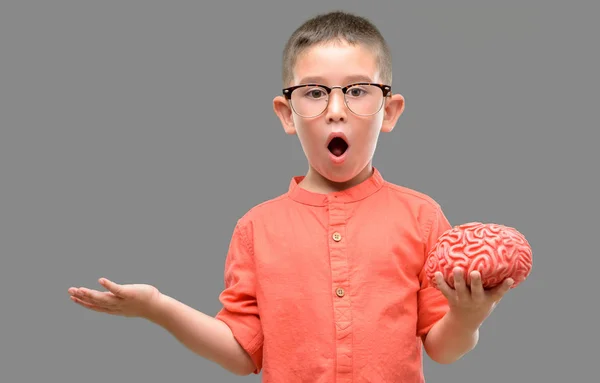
<point x="339" y="292"/>
<point x="337" y="236"/>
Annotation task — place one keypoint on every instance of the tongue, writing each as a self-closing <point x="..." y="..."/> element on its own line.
<point x="337" y="147"/>
<point x="337" y="150"/>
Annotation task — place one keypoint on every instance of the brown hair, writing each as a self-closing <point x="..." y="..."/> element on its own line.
<point x="337" y="26"/>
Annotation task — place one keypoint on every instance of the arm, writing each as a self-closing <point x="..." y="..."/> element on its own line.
<point x="450" y="318"/>
<point x="449" y="339"/>
<point x="204" y="335"/>
<point x="446" y="337"/>
<point x="208" y="337"/>
<point x="457" y="332"/>
<point x="233" y="338"/>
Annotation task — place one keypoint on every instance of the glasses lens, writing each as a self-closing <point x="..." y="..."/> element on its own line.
<point x="364" y="99"/>
<point x="309" y="101"/>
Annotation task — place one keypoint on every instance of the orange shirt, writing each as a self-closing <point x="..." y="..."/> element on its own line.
<point x="330" y="288"/>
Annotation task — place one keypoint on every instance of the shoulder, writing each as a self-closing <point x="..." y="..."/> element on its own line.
<point x="264" y="211"/>
<point x="410" y="196"/>
<point x="416" y="207"/>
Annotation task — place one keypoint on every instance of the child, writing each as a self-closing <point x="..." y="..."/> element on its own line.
<point x="325" y="283"/>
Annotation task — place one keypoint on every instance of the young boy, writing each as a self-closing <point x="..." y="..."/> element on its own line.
<point x="326" y="283"/>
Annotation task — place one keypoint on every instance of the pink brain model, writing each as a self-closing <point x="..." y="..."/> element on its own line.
<point x="496" y="251"/>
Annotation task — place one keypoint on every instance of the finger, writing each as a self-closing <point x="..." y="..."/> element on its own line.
<point x="93" y="307"/>
<point x="477" y="291"/>
<point x="443" y="287"/>
<point x="498" y="292"/>
<point x="462" y="291"/>
<point x="104" y="299"/>
<point x="82" y="294"/>
<point x="111" y="286"/>
<point x="77" y="293"/>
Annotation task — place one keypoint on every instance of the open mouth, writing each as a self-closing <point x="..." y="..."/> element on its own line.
<point x="337" y="146"/>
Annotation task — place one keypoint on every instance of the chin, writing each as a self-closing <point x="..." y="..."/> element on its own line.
<point x="340" y="175"/>
<point x="339" y="179"/>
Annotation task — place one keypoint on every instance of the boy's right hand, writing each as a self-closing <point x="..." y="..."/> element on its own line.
<point x="135" y="300"/>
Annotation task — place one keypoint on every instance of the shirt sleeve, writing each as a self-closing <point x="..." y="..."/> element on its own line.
<point x="432" y="304"/>
<point x="240" y="309"/>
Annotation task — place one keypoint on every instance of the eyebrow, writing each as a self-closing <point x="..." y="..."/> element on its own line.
<point x="348" y="80"/>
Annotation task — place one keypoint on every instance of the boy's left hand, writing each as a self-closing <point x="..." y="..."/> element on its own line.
<point x="471" y="305"/>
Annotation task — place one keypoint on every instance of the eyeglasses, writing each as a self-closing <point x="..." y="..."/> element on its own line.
<point x="363" y="98"/>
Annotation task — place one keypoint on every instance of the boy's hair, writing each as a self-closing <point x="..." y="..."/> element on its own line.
<point x="337" y="26"/>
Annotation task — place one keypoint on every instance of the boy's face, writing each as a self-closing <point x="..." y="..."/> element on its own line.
<point x="337" y="65"/>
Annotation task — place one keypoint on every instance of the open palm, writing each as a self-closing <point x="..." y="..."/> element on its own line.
<point x="133" y="300"/>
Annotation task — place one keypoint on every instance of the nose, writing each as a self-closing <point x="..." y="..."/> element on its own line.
<point x="336" y="109"/>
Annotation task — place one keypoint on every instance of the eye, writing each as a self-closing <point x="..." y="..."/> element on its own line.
<point x="356" y="92"/>
<point x="315" y="93"/>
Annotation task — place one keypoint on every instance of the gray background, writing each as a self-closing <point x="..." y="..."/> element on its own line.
<point x="134" y="134"/>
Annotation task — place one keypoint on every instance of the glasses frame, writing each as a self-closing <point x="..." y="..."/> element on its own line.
<point x="386" y="90"/>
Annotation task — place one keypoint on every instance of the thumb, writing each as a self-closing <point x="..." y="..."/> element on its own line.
<point x="113" y="287"/>
<point x="499" y="291"/>
<point x="440" y="283"/>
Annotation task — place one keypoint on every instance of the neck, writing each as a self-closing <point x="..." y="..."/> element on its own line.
<point x="315" y="182"/>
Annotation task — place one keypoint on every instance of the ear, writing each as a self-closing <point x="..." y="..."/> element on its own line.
<point x="284" y="112"/>
<point x="394" y="106"/>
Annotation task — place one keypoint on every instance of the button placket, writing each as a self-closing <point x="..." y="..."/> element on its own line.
<point x="342" y="315"/>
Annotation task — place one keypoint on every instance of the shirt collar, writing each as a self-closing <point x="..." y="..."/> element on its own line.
<point x="353" y="194"/>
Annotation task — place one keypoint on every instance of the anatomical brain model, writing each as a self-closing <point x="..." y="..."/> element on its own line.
<point x="496" y="251"/>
